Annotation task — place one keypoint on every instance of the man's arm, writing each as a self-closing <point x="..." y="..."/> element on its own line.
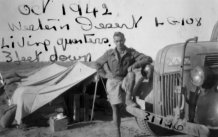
<point x="141" y="60"/>
<point x="100" y="63"/>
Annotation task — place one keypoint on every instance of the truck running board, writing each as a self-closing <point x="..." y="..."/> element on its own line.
<point x="170" y="122"/>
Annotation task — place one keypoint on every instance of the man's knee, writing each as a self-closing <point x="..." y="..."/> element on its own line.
<point x="148" y="71"/>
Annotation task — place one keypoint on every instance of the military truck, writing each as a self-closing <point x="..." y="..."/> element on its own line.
<point x="184" y="97"/>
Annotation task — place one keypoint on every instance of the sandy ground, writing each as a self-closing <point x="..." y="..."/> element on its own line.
<point x="95" y="128"/>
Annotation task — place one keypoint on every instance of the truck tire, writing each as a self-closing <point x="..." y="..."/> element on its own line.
<point x="154" y="130"/>
<point x="143" y="125"/>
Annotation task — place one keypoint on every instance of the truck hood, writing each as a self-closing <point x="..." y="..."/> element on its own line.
<point x="169" y="58"/>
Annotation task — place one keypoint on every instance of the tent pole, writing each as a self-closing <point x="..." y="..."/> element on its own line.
<point x="93" y="103"/>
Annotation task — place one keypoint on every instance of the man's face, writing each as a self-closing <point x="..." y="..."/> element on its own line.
<point x="119" y="41"/>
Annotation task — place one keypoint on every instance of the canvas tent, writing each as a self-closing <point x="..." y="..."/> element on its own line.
<point x="47" y="84"/>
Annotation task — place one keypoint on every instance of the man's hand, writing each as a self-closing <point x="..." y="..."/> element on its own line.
<point x="97" y="77"/>
<point x="105" y="74"/>
<point x="109" y="75"/>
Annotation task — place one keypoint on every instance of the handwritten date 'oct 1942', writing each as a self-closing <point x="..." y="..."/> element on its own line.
<point x="26" y="9"/>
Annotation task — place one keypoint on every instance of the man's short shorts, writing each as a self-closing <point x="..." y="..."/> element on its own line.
<point x="116" y="88"/>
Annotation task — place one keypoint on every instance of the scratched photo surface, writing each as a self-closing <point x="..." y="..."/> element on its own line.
<point x="37" y="33"/>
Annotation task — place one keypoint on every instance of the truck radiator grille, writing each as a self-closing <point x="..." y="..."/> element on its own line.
<point x="169" y="98"/>
<point x="211" y="60"/>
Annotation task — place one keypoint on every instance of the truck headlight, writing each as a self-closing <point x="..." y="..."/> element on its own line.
<point x="197" y="76"/>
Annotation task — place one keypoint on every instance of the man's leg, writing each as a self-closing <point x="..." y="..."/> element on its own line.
<point x="129" y="83"/>
<point x="116" y="119"/>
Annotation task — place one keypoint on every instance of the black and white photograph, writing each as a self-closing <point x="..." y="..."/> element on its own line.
<point x="108" y="68"/>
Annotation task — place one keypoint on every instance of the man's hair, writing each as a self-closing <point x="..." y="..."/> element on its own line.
<point x="119" y="34"/>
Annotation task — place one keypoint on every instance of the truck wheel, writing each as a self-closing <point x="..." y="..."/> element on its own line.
<point x="154" y="130"/>
<point x="143" y="125"/>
